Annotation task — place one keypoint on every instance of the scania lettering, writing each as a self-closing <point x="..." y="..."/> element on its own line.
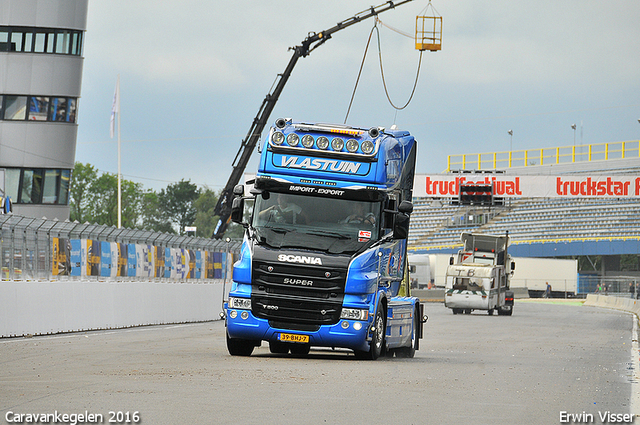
<point x="478" y="277"/>
<point x="326" y="267"/>
<point x="299" y="259"/>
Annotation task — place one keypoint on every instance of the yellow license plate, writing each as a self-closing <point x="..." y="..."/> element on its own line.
<point x="294" y="338"/>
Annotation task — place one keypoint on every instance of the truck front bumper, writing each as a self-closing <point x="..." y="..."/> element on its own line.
<point x="351" y="334"/>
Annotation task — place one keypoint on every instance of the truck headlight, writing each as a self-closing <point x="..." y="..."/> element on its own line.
<point x="307" y="140"/>
<point x="293" y="139"/>
<point x="322" y="143"/>
<point x="352" y="145"/>
<point x="367" y="147"/>
<point x="240" y="303"/>
<point x="354" y="314"/>
<point x="337" y="144"/>
<point x="277" y="138"/>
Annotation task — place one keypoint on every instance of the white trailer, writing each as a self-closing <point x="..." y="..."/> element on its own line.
<point x="420" y="269"/>
<point x="534" y="273"/>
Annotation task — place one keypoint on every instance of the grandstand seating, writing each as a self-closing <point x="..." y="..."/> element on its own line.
<point x="526" y="220"/>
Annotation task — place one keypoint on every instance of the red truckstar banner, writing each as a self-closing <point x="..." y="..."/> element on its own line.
<point x="530" y="186"/>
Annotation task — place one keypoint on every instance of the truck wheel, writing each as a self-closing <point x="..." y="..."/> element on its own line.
<point x="457" y="310"/>
<point x="467" y="311"/>
<point x="377" y="339"/>
<point x="240" y="347"/>
<point x="490" y="312"/>
<point x="410" y="352"/>
<point x="277" y="347"/>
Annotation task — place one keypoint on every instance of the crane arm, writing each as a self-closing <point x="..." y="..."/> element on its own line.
<point x="313" y="41"/>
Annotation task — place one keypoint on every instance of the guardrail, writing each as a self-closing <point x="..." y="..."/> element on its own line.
<point x="544" y="156"/>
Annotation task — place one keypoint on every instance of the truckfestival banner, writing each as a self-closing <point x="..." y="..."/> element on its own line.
<point x="530" y="186"/>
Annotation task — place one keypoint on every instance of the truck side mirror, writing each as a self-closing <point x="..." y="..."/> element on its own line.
<point x="237" y="206"/>
<point x="401" y="226"/>
<point x="513" y="265"/>
<point x="405" y="207"/>
<point x="412" y="269"/>
<point x="238" y="190"/>
<point x="451" y="261"/>
<point x="237" y="210"/>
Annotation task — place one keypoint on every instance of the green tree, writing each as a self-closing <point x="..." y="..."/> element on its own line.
<point x="80" y="191"/>
<point x="152" y="217"/>
<point x="206" y="219"/>
<point x="177" y="202"/>
<point x="94" y="198"/>
<point x="104" y="196"/>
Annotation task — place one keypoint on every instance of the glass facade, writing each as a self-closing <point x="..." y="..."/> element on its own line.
<point x="37" y="185"/>
<point x="40" y="40"/>
<point x="38" y="108"/>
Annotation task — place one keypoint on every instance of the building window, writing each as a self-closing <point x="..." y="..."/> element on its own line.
<point x="31" y="187"/>
<point x="63" y="192"/>
<point x="51" y="184"/>
<point x="38" y="108"/>
<point x="4" y="39"/>
<point x="12" y="183"/>
<point x="40" y="40"/>
<point x="38" y="186"/>
<point x="15" y="108"/>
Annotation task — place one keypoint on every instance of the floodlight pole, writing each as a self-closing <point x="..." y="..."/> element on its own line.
<point x="119" y="162"/>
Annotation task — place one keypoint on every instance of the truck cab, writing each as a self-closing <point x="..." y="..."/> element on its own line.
<point x="323" y="260"/>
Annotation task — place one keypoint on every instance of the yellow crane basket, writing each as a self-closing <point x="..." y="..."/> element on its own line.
<point x="429" y="30"/>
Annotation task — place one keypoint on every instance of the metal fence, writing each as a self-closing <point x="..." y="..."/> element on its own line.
<point x="621" y="286"/>
<point x="29" y="248"/>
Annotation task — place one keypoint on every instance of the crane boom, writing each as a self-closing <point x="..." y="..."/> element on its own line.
<point x="313" y="41"/>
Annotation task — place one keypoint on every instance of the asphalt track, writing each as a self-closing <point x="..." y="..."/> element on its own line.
<point x="546" y="359"/>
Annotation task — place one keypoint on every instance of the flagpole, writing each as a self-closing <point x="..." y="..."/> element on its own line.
<point x="119" y="174"/>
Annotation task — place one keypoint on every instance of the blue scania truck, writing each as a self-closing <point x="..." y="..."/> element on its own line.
<point x="323" y="262"/>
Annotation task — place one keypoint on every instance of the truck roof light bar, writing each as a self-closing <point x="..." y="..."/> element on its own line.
<point x="337" y="146"/>
<point x="326" y="129"/>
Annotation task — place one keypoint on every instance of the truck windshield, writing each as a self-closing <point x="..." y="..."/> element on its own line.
<point x="328" y="224"/>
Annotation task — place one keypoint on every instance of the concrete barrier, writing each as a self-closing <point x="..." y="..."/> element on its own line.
<point x="619" y="303"/>
<point x="40" y="308"/>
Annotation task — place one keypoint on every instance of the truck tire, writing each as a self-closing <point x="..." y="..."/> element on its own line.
<point x="378" y="337"/>
<point x="240" y="347"/>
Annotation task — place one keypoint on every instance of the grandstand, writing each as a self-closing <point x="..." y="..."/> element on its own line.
<point x="540" y="227"/>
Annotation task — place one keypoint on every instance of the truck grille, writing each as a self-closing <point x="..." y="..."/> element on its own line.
<point x="297" y="294"/>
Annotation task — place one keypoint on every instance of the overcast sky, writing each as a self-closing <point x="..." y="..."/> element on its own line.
<point x="193" y="74"/>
